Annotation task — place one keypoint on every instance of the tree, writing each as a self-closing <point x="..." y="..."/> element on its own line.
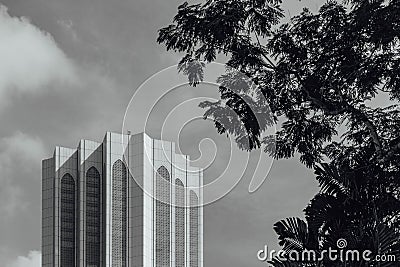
<point x="319" y="73"/>
<point x="316" y="72"/>
<point x="358" y="205"/>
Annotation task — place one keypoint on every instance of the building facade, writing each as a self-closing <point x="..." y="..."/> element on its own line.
<point x="127" y="201"/>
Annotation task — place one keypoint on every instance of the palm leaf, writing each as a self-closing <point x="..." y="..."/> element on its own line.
<point x="292" y="234"/>
<point x="331" y="182"/>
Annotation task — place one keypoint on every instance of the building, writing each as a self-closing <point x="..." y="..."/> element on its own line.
<point x="127" y="201"/>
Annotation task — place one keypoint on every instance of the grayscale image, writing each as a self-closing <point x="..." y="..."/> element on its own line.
<point x="201" y="133"/>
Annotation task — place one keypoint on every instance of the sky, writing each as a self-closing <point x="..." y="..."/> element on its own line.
<point x="68" y="70"/>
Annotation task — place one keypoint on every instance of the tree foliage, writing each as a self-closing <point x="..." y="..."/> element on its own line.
<point x="360" y="206"/>
<point x="320" y="74"/>
<point x="317" y="72"/>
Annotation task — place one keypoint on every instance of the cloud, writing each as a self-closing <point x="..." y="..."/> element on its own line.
<point x="21" y="148"/>
<point x="32" y="260"/>
<point x="20" y="157"/>
<point x="30" y="57"/>
<point x="19" y="154"/>
<point x="68" y="26"/>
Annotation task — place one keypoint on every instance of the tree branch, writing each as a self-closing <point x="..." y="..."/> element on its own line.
<point x="262" y="52"/>
<point x="346" y="108"/>
<point x="371" y="128"/>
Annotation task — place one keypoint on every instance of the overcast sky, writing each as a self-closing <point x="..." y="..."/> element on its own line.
<point x="67" y="71"/>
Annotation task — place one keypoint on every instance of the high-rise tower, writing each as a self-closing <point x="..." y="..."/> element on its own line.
<point x="128" y="201"/>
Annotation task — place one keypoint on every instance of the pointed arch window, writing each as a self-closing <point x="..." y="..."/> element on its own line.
<point x="93" y="217"/>
<point x="179" y="223"/>
<point x="194" y="230"/>
<point x="119" y="214"/>
<point x="67" y="248"/>
<point x="163" y="217"/>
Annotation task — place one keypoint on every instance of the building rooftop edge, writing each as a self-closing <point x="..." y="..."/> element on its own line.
<point x="123" y="134"/>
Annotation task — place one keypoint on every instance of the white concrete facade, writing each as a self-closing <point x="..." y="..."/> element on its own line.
<point x="125" y="213"/>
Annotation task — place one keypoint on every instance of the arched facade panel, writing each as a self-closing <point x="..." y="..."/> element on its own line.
<point x="163" y="218"/>
<point x="93" y="220"/>
<point x="194" y="229"/>
<point x="119" y="214"/>
<point x="68" y="221"/>
<point x="179" y="223"/>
